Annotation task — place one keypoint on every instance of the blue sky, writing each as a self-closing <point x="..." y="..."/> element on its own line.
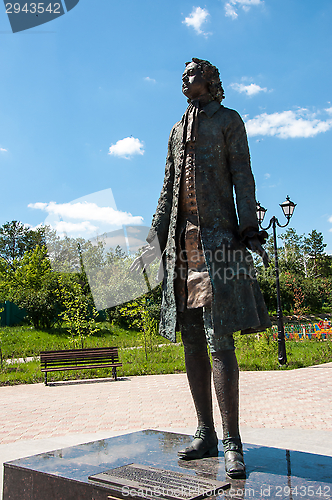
<point x="88" y="100"/>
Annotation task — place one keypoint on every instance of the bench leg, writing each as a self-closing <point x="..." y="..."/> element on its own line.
<point x="114" y="373"/>
<point x="45" y="378"/>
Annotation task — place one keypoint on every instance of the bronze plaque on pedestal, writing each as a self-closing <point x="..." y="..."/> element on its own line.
<point x="141" y="481"/>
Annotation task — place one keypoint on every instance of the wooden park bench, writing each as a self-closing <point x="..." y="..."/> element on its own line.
<point x="80" y="359"/>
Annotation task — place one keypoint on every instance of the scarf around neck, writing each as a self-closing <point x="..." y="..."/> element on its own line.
<point x="190" y="122"/>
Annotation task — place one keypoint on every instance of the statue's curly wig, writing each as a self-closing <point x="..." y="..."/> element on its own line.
<point x="211" y="74"/>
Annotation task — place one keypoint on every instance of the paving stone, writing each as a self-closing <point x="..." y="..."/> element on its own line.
<point x="286" y="399"/>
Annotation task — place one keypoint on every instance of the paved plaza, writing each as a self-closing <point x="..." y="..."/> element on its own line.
<point x="285" y="409"/>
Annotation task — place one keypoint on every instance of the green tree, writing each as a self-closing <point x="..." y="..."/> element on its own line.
<point x="16" y="239"/>
<point x="78" y="311"/>
<point x="305" y="273"/>
<point x="291" y="256"/>
<point x="314" y="248"/>
<point x="142" y="318"/>
<point x="32" y="285"/>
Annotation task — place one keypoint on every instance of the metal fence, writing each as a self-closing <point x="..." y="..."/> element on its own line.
<point x="11" y="314"/>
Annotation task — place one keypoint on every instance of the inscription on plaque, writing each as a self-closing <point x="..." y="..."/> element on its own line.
<point x="141" y="481"/>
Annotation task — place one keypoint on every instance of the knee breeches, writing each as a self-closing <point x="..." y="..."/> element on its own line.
<point x="197" y="332"/>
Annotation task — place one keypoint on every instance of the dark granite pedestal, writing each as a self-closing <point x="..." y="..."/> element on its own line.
<point x="63" y="474"/>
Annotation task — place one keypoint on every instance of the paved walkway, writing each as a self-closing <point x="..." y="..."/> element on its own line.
<point x="289" y="409"/>
<point x="300" y="399"/>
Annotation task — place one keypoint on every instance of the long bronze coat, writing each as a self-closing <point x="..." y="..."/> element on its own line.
<point x="222" y="163"/>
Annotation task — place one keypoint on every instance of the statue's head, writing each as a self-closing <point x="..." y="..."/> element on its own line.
<point x="201" y="77"/>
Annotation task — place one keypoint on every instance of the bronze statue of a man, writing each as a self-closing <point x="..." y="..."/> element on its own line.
<point x="209" y="287"/>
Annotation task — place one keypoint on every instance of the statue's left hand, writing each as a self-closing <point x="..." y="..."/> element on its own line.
<point x="144" y="260"/>
<point x="255" y="245"/>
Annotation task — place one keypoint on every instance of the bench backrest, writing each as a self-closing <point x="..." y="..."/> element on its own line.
<point x="100" y="355"/>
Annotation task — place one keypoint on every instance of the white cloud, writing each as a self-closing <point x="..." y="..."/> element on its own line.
<point x="127" y="147"/>
<point x="232" y="5"/>
<point x="3" y="150"/>
<point x="230" y="11"/>
<point x="88" y="212"/>
<point x="33" y="228"/>
<point x="148" y="79"/>
<point x="247" y="3"/>
<point x="197" y="17"/>
<point x="267" y="176"/>
<point x="81" y="228"/>
<point x="287" y="124"/>
<point x="39" y="205"/>
<point x="250" y="90"/>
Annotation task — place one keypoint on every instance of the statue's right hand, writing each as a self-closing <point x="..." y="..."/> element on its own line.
<point x="144" y="260"/>
<point x="255" y="246"/>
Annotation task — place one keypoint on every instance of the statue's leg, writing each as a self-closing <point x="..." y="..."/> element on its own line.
<point x="198" y="369"/>
<point x="226" y="383"/>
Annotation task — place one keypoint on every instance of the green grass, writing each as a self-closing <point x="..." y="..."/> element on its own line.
<point x="167" y="359"/>
<point x="21" y="373"/>
<point x="252" y="354"/>
<point x="262" y="354"/>
<point x="25" y="341"/>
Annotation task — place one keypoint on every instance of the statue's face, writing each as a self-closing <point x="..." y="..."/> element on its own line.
<point x="194" y="84"/>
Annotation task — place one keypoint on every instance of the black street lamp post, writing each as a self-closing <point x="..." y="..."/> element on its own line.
<point x="288" y="209"/>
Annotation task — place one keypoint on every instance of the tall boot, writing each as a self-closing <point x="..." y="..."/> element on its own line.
<point x="226" y="383"/>
<point x="205" y="441"/>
